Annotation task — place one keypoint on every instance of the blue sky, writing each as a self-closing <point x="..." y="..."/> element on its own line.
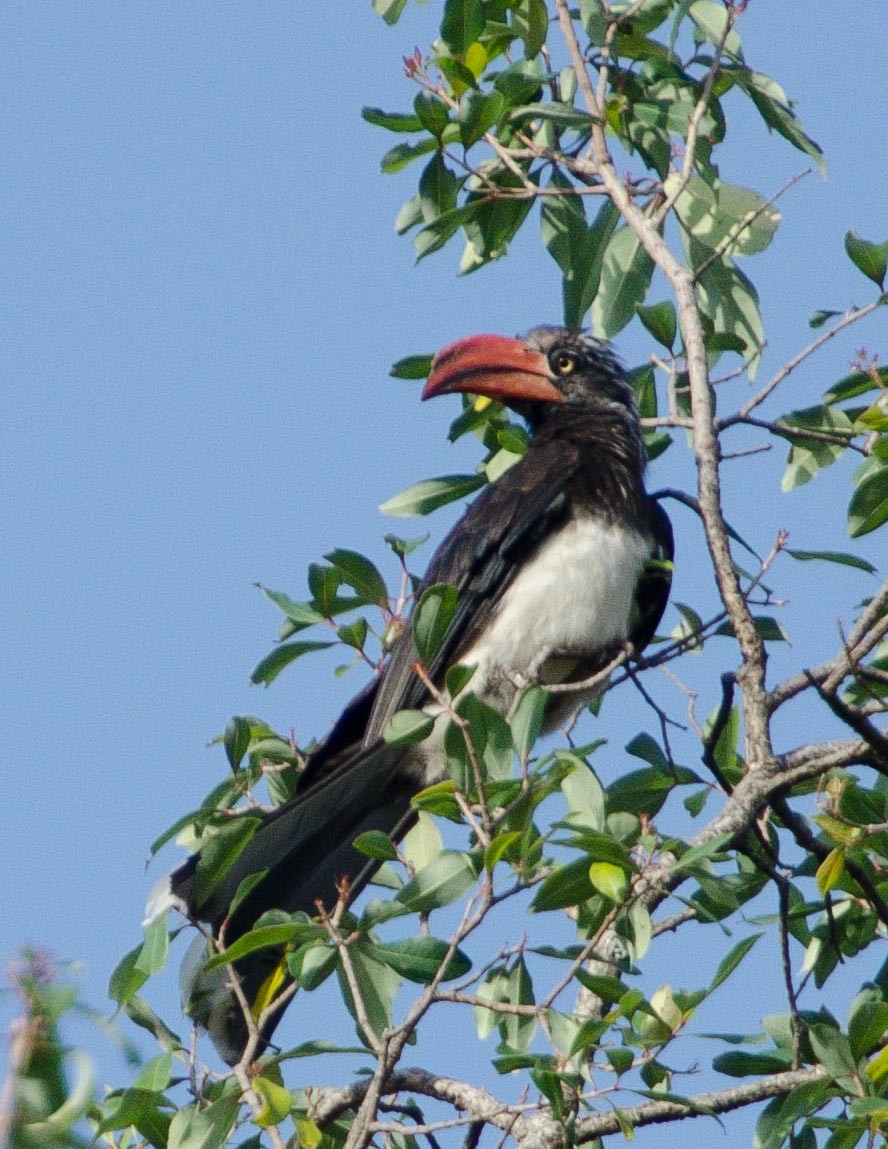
<point x="202" y="293"/>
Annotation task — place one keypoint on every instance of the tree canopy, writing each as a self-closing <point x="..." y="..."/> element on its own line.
<point x="721" y="814"/>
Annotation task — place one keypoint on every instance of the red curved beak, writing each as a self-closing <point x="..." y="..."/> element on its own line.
<point x="495" y="366"/>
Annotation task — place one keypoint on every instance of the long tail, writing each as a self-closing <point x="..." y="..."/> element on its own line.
<point x="306" y="847"/>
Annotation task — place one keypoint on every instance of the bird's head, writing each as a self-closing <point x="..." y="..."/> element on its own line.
<point x="547" y="368"/>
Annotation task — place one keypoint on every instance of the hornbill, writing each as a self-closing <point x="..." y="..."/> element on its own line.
<point x="558" y="565"/>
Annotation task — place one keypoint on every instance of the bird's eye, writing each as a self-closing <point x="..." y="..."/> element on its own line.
<point x="564" y="362"/>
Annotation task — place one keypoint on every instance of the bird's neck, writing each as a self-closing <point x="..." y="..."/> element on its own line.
<point x="612" y="450"/>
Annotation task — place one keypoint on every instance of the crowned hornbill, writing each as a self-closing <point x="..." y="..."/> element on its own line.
<point x="554" y="572"/>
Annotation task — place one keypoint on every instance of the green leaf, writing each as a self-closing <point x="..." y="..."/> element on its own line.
<point x="392" y="121"/>
<point x="426" y="496"/>
<point x="660" y="321"/>
<point x="645" y="791"/>
<point x="830" y="870"/>
<point x="577" y="249"/>
<point x="354" y="634"/>
<point x="530" y="19"/>
<point x="205" y="1128"/>
<point x="431" y="618"/>
<point x="734" y="219"/>
<point x="739" y="1063"/>
<point x="808" y="456"/>
<point x="773" y="106"/>
<point x="569" y="885"/>
<point x="458" y="678"/>
<point x="377" y="985"/>
<point x="361" y="575"/>
<point x="478" y="113"/>
<point x="731" y="960"/>
<point x="271" y="666"/>
<point x="261" y="937"/>
<point x="461" y="24"/>
<point x="153" y="954"/>
<point x="406" y="727"/>
<point x="832" y="1050"/>
<point x="768" y="628"/>
<point x="389" y="10"/>
<point x="857" y="383"/>
<point x="728" y="298"/>
<point x="819" y="318"/>
<point x="398" y="157"/>
<point x="404" y="547"/>
<point x="609" y="880"/>
<point x="711" y="19"/>
<point x="375" y="844"/>
<point x="431" y="112"/>
<point x="301" y="613"/>
<point x="839" y="557"/>
<point x="439" y="883"/>
<point x="438" y="189"/>
<point x="868" y="508"/>
<point x="491" y="741"/>
<point x="155" y="1074"/>
<point x="423" y="844"/>
<point x="127" y="978"/>
<point x="419" y="959"/>
<point x="584" y="795"/>
<point x="868" y="257"/>
<point x="625" y="275"/>
<point x="276" y="1100"/>
<point x="236" y="739"/>
<point x="412" y="367"/>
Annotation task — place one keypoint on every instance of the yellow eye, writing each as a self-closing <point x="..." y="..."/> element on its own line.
<point x="564" y="362"/>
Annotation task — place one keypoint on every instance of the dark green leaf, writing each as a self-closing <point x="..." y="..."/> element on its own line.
<point x="577" y="249"/>
<point x="354" y="634"/>
<point x="438" y="189"/>
<point x="461" y="24"/>
<point x="818" y="318"/>
<point x="569" y="885"/>
<point x="868" y="508"/>
<point x="361" y="575"/>
<point x="431" y="112"/>
<point x="301" y="613"/>
<point x="236" y="739"/>
<point x="271" y="666"/>
<point x="660" y="321"/>
<point x="419" y="959"/>
<point x="404" y="547"/>
<point x="773" y="106"/>
<point x="739" y="1063"/>
<point x="530" y="19"/>
<point x="401" y="155"/>
<point x="458" y="678"/>
<point x="868" y="257"/>
<point x="264" y="936"/>
<point x="432" y="617"/>
<point x="375" y="844"/>
<point x="412" y="367"/>
<point x="832" y="1050"/>
<point x="768" y="628"/>
<point x="839" y="557"/>
<point x="478" y="113"/>
<point x="857" y="383"/>
<point x="731" y="960"/>
<point x="393" y="121"/>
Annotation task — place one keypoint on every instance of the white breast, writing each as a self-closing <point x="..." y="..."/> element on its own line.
<point x="575" y="597"/>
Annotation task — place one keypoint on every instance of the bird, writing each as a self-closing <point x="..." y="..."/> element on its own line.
<point x="559" y="565"/>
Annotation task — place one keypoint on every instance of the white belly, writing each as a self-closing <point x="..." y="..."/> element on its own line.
<point x="576" y="597"/>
